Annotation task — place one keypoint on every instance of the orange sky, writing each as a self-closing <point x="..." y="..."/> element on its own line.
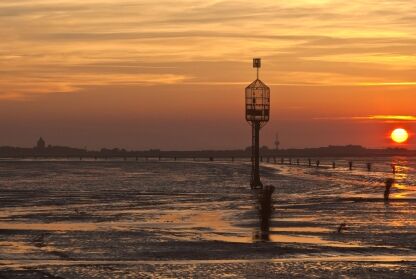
<point x="171" y="74"/>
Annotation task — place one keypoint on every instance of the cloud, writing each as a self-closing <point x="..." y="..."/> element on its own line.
<point x="406" y="118"/>
<point x="62" y="43"/>
<point x="382" y="118"/>
<point x="22" y="88"/>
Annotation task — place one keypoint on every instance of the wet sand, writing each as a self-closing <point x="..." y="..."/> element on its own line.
<point x="200" y="220"/>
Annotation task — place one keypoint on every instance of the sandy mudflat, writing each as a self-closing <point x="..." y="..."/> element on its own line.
<point x="200" y="220"/>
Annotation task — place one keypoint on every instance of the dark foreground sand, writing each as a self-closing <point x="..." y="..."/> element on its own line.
<point x="297" y="269"/>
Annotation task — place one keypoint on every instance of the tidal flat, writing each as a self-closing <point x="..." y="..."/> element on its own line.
<point x="187" y="219"/>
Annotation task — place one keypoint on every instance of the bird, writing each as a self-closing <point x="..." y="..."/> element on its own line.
<point x="341" y="227"/>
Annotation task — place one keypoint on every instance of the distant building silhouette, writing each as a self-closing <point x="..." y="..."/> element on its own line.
<point x="41" y="144"/>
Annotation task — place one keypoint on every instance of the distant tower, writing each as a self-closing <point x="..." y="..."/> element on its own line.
<point x="257" y="113"/>
<point x="41" y="143"/>
<point x="277" y="142"/>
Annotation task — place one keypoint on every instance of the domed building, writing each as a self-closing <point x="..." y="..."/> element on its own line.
<point x="41" y="143"/>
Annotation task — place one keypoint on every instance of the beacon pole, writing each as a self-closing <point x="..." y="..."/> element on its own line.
<point x="257" y="96"/>
<point x="255" y="176"/>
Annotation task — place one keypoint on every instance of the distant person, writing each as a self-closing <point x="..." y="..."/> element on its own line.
<point x="389" y="183"/>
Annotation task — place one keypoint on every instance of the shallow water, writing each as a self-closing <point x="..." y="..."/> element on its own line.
<point x="80" y="218"/>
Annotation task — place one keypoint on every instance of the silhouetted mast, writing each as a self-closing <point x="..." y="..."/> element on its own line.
<point x="277" y="142"/>
<point x="257" y="114"/>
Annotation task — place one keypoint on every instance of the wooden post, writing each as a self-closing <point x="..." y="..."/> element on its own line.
<point x="393" y="168"/>
<point x="350" y="165"/>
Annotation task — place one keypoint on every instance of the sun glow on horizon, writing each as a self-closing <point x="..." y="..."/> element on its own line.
<point x="399" y="135"/>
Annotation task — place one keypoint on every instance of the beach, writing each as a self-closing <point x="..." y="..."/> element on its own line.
<point x="198" y="219"/>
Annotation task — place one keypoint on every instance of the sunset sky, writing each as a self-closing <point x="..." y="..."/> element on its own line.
<point x="145" y="74"/>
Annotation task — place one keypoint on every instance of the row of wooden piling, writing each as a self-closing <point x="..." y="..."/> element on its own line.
<point x="317" y="163"/>
<point x="284" y="161"/>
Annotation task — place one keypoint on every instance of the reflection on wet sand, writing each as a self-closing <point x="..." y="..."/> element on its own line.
<point x="70" y="227"/>
<point x="15" y="247"/>
<point x="381" y="259"/>
<point x="263" y="233"/>
<point x="84" y="226"/>
<point x="265" y="209"/>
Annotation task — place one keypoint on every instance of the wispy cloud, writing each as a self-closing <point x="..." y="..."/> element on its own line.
<point x="305" y="42"/>
<point x="387" y="117"/>
<point x="23" y="87"/>
<point x="383" y="118"/>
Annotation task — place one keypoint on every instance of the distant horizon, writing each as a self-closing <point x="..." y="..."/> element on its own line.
<point x="397" y="146"/>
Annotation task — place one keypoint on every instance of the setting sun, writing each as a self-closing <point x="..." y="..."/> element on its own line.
<point x="399" y="135"/>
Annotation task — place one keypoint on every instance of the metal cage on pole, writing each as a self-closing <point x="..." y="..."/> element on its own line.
<point x="257" y="96"/>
